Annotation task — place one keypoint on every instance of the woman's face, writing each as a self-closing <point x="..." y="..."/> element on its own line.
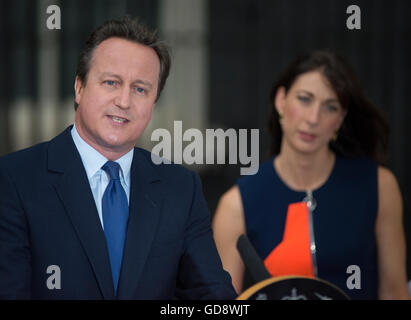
<point x="311" y="113"/>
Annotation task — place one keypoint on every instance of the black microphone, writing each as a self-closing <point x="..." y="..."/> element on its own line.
<point x="252" y="260"/>
<point x="285" y="288"/>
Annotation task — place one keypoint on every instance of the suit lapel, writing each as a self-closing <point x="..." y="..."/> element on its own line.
<point x="144" y="214"/>
<point x="74" y="191"/>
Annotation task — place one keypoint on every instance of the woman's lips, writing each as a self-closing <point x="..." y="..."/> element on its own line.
<point x="307" y="136"/>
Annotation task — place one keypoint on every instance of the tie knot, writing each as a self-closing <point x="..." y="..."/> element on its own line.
<point x="112" y="168"/>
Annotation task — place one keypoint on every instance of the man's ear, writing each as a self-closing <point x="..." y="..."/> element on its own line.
<point x="78" y="89"/>
<point x="279" y="102"/>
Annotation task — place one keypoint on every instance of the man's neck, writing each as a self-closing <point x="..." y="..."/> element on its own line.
<point x="109" y="153"/>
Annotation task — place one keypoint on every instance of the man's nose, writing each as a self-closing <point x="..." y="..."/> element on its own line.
<point x="122" y="99"/>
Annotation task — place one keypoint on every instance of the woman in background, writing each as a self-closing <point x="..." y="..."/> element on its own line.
<point x="324" y="205"/>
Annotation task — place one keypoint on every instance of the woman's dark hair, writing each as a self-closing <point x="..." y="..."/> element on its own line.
<point x="128" y="29"/>
<point x="364" y="132"/>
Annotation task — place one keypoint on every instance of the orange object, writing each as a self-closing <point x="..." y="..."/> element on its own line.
<point x="293" y="256"/>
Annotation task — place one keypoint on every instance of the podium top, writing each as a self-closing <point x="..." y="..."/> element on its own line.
<point x="293" y="288"/>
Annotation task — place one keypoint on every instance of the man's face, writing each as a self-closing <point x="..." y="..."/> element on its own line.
<point x="117" y="100"/>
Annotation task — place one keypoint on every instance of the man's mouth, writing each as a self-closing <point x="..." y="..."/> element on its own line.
<point x="118" y="119"/>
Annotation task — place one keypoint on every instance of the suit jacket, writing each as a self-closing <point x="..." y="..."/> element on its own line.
<point x="48" y="218"/>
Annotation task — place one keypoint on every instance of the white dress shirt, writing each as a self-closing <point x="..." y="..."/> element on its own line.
<point x="97" y="177"/>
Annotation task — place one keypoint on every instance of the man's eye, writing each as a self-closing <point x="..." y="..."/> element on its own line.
<point x="110" y="82"/>
<point x="140" y="90"/>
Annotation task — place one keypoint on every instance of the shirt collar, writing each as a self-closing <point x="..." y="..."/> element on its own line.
<point x="94" y="160"/>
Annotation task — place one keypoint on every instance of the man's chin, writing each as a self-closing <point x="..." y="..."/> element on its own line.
<point x="118" y="146"/>
<point x="113" y="147"/>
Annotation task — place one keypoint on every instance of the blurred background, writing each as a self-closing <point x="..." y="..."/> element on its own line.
<point x="226" y="54"/>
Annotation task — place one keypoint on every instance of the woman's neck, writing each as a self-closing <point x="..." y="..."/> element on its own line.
<point x="302" y="171"/>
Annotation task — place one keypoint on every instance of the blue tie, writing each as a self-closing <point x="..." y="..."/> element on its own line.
<point x="115" y="215"/>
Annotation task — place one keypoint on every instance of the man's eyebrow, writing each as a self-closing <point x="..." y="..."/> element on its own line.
<point x="145" y="83"/>
<point x="109" y="74"/>
<point x="138" y="81"/>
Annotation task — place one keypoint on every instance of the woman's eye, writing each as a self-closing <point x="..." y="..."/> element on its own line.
<point x="332" y="108"/>
<point x="304" y="99"/>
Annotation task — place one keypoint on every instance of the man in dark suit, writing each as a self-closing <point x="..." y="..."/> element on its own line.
<point x="89" y="216"/>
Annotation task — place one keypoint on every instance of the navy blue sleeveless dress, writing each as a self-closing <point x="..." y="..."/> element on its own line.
<point x="343" y="221"/>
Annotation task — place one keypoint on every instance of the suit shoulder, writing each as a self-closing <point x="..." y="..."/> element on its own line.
<point x="27" y="157"/>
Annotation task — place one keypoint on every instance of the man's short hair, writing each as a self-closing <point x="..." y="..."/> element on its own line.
<point x="129" y="29"/>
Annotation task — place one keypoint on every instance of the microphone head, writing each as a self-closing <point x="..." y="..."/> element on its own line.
<point x="252" y="260"/>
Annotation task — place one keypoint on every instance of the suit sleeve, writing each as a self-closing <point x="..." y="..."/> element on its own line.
<point x="201" y="275"/>
<point x="15" y="269"/>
